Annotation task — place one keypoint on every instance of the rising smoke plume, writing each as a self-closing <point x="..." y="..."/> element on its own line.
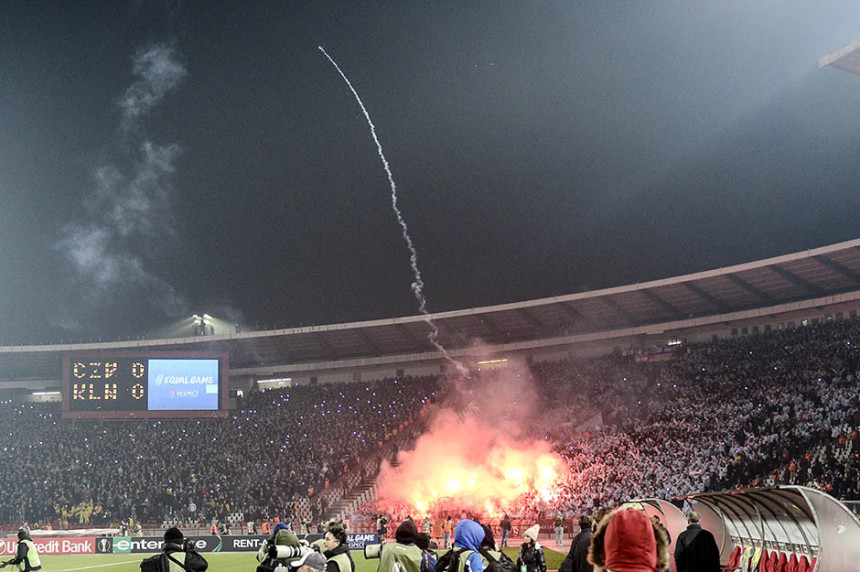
<point x="128" y="212"/>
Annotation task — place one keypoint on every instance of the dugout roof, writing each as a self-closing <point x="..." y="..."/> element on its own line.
<point x="812" y="275"/>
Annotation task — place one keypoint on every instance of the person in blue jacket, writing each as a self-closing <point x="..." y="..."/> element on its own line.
<point x="469" y="534"/>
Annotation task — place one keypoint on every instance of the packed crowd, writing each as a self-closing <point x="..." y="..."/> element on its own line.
<point x="279" y="446"/>
<point x="774" y="408"/>
<point x="720" y="415"/>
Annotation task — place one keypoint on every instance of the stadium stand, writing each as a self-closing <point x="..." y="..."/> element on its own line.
<point x="777" y="408"/>
<point x="278" y="455"/>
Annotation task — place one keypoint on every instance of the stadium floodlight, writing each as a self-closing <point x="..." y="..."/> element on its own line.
<point x="846" y="58"/>
<point x="202" y="326"/>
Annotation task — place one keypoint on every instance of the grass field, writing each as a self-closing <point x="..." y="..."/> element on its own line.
<point x="218" y="562"/>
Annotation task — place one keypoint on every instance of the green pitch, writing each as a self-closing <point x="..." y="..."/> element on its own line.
<point x="218" y="562"/>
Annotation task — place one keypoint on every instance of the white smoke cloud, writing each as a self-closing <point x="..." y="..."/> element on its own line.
<point x="140" y="203"/>
<point x="159" y="71"/>
<point x="128" y="212"/>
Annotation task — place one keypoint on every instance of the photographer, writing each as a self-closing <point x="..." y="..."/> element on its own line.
<point x="381" y="529"/>
<point x="263" y="552"/>
<point x="284" y="538"/>
<point x="337" y="550"/>
<point x="403" y="552"/>
<point x="181" y="553"/>
<point x="26" y="557"/>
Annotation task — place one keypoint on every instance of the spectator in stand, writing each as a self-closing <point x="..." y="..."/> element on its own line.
<point x="776" y="408"/>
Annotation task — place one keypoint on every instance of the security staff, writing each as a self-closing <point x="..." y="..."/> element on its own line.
<point x="26" y="557"/>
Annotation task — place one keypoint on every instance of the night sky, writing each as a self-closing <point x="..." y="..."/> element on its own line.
<point x="163" y="158"/>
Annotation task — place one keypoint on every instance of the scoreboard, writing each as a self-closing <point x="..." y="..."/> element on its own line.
<point x="134" y="384"/>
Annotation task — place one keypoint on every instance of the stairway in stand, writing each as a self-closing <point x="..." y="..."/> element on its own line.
<point x="356" y="497"/>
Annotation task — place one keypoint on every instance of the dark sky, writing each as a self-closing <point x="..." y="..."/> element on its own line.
<point x="163" y="158"/>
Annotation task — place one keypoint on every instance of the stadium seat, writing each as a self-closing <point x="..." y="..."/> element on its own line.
<point x="760" y="565"/>
<point x="735" y="556"/>
<point x="745" y="559"/>
<point x="772" y="559"/>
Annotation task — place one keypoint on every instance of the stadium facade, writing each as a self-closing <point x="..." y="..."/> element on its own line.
<point x="649" y="319"/>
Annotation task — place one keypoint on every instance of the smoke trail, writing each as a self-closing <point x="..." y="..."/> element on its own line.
<point x="418" y="284"/>
<point x="128" y="211"/>
<point x="158" y="71"/>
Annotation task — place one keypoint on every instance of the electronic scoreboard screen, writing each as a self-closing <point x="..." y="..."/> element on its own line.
<point x="145" y="384"/>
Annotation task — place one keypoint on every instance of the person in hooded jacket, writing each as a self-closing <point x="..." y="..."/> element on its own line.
<point x="627" y="541"/>
<point x="468" y="535"/>
<point x="531" y="553"/>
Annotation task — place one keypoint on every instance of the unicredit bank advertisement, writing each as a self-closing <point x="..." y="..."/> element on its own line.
<point x="52" y="545"/>
<point x="153" y="544"/>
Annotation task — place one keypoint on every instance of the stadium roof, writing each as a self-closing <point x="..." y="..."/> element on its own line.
<point x="810" y="275"/>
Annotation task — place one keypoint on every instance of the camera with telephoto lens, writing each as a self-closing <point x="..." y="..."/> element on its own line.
<point x="372" y="551"/>
<point x="280" y="551"/>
